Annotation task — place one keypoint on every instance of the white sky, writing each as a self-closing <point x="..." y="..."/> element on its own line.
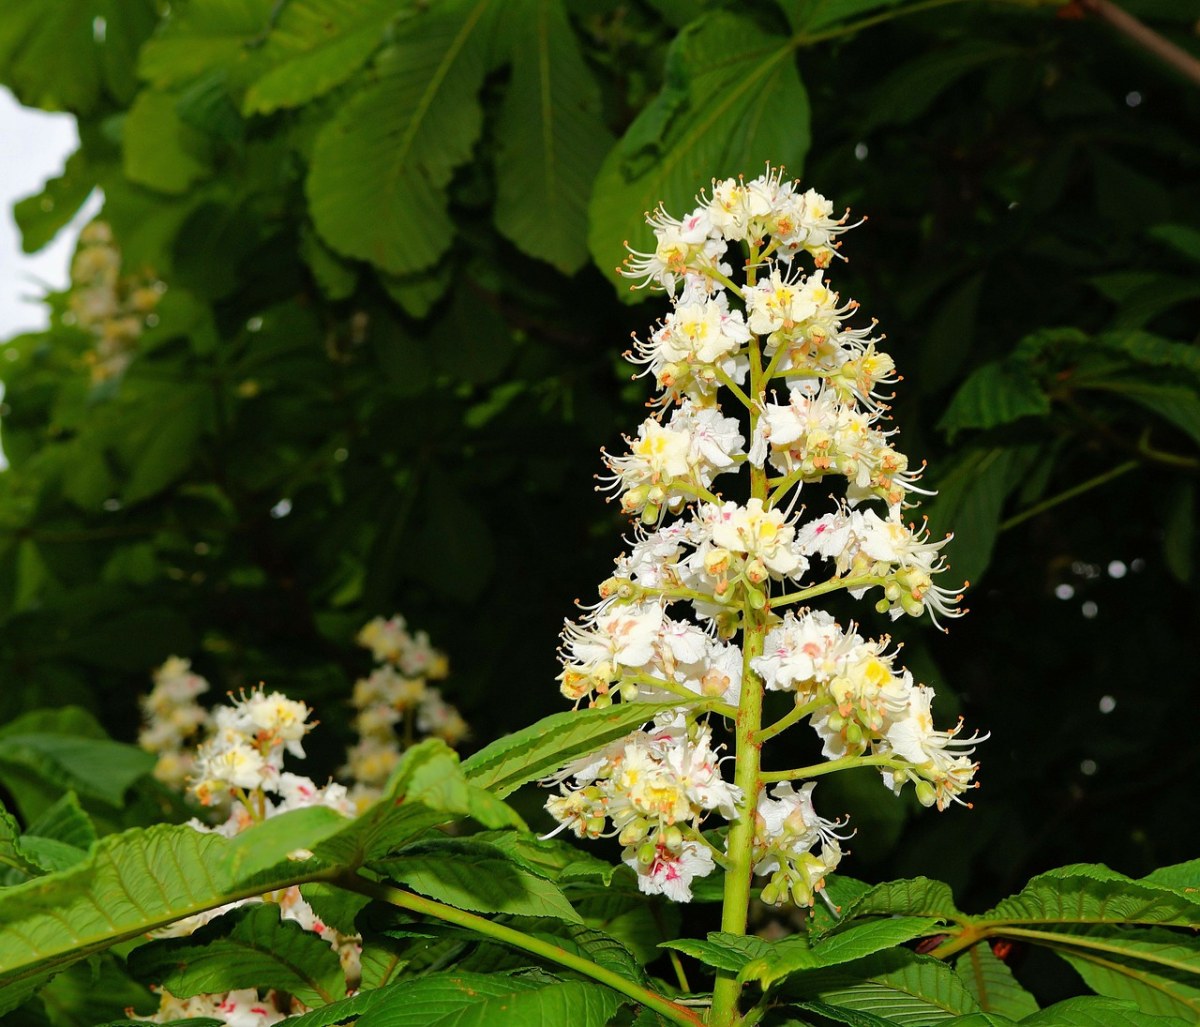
<point x="34" y="146"/>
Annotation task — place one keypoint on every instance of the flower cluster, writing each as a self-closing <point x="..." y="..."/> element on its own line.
<point x="239" y="771"/>
<point x="172" y="719"/>
<point x="114" y="308"/>
<point x="809" y="395"/>
<point x="396" y="702"/>
<point x="655" y="787"/>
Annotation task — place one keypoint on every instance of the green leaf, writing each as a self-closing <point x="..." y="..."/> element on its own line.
<point x="970" y="498"/>
<point x="621" y="911"/>
<point x="165" y="444"/>
<point x="1182" y="877"/>
<point x="94" y="767"/>
<point x="335" y="277"/>
<point x="476" y="877"/>
<point x="990" y="980"/>
<point x="552" y="742"/>
<point x="1179" y="534"/>
<point x="250" y="947"/>
<point x="198" y="37"/>
<point x="732" y="101"/>
<point x="1181" y="238"/>
<point x="792" y="955"/>
<point x="377" y="184"/>
<point x="995" y="394"/>
<point x="42" y="215"/>
<point x="140" y="880"/>
<point x="551" y="139"/>
<point x="466" y="999"/>
<point x="552" y="858"/>
<point x="344" y="1009"/>
<point x="723" y="951"/>
<point x="430" y="774"/>
<point x="909" y="91"/>
<point x="812" y="15"/>
<point x="1098" y="1012"/>
<point x="160" y="151"/>
<point x="1157" y="969"/>
<point x="1086" y="893"/>
<point x="314" y="46"/>
<point x="903" y="988"/>
<point x="918" y="896"/>
<point x="1177" y="403"/>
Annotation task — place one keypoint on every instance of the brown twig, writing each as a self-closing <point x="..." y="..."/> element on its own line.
<point x="1145" y="37"/>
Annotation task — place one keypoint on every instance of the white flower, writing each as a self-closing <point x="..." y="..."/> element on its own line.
<point x="671" y="873"/>
<point x="755" y="531"/>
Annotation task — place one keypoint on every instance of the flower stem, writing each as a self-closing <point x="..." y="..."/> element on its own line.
<point x="833" y="766"/>
<point x="832" y="585"/>
<point x="508" y="936"/>
<point x="747" y="765"/>
<point x="795" y="714"/>
<point x="732" y="386"/>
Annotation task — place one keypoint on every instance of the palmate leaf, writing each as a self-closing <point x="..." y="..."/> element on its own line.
<point x="471" y="1000"/>
<point x="551" y="139"/>
<point x="990" y="980"/>
<point x="900" y="986"/>
<point x="552" y="742"/>
<point x="794" y="955"/>
<point x="1088" y="893"/>
<point x="250" y="947"/>
<point x="732" y="101"/>
<point x="376" y="188"/>
<point x="344" y="1009"/>
<point x="197" y="38"/>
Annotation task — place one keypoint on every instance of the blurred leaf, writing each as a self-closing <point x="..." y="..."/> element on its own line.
<point x="166" y="442"/>
<point x="995" y="394"/>
<point x="42" y="215"/>
<point x="198" y="37"/>
<point x="96" y="767"/>
<point x="551" y="139"/>
<point x="162" y="152"/>
<point x="380" y="168"/>
<point x="909" y="91"/>
<point x="316" y="45"/>
<point x="731" y="101"/>
<point x="949" y="337"/>
<point x="1179" y="536"/>
<point x="1181" y="238"/>
<point x="812" y="15"/>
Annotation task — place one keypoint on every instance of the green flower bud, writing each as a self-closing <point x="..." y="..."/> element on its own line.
<point x="647" y="853"/>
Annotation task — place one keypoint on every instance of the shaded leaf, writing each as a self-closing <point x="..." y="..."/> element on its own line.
<point x="250" y="947"/>
<point x="42" y="215"/>
<point x="476" y="877"/>
<point x="918" y="896"/>
<point x="722" y="951"/>
<point x="731" y="102"/>
<point x="550" y="137"/>
<point x="1091" y="1011"/>
<point x="160" y="151"/>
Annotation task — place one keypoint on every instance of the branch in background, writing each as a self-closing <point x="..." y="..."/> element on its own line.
<point x="1161" y="47"/>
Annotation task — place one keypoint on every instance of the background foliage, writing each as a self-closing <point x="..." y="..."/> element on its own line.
<point x="387" y="352"/>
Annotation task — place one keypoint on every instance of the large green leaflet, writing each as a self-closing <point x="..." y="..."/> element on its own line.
<point x="732" y="101"/>
<point x="545" y="165"/>
<point x="377" y="185"/>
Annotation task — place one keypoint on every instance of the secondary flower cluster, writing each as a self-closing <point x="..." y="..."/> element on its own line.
<point x="113" y="307"/>
<point x="396" y="701"/>
<point x="239" y="771"/>
<point x="172" y="719"/>
<point x="807" y="397"/>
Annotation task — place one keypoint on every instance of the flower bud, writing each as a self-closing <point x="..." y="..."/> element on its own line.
<point x="926" y="793"/>
<point x="633" y="832"/>
<point x="647" y="853"/>
<point x="629" y="691"/>
<point x="756" y="571"/>
<point x="716" y="561"/>
<point x="672" y="839"/>
<point x="594" y="827"/>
